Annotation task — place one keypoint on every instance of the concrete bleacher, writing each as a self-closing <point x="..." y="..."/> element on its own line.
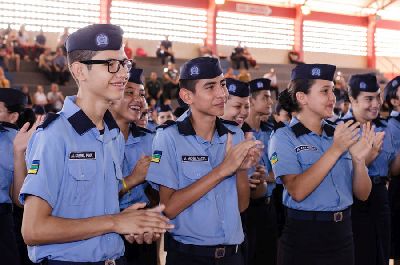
<point x="30" y="75"/>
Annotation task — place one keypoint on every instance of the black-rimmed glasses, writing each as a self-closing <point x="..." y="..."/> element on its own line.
<point x="113" y="64"/>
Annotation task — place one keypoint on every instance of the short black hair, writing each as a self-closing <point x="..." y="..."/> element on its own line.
<point x="188" y="84"/>
<point x="81" y="55"/>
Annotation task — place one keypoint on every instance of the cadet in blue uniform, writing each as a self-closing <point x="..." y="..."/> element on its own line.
<point x="392" y="99"/>
<point x="164" y="113"/>
<point x="71" y="211"/>
<point x="320" y="168"/>
<point x="371" y="219"/>
<point x="202" y="179"/>
<point x="261" y="216"/>
<point x="10" y="101"/>
<point x="136" y="162"/>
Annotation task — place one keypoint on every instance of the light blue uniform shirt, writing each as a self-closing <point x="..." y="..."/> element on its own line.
<point x="293" y="149"/>
<point x="139" y="143"/>
<point x="7" y="135"/>
<point x="76" y="170"/>
<point x="380" y="166"/>
<point x="180" y="158"/>
<point x="264" y="135"/>
<point x="394" y="129"/>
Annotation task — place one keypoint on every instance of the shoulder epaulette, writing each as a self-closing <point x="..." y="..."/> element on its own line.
<point x="279" y="125"/>
<point x="264" y="126"/>
<point x="246" y="127"/>
<point x="166" y="124"/>
<point x="50" y="117"/>
<point x="145" y="130"/>
<point x="229" y="122"/>
<point x="5" y="125"/>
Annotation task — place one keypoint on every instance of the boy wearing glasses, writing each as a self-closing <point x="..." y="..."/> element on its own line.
<point x="74" y="162"/>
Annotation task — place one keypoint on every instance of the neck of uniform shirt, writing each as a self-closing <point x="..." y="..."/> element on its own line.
<point x="358" y="117"/>
<point x="203" y="125"/>
<point x="95" y="110"/>
<point x="123" y="126"/>
<point x="311" y="122"/>
<point x="254" y="120"/>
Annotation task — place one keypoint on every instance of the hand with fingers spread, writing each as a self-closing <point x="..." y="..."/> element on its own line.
<point x="363" y="147"/>
<point x="137" y="220"/>
<point x="236" y="156"/>
<point x="24" y="134"/>
<point x="346" y="135"/>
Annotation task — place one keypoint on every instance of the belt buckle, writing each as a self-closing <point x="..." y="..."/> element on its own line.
<point x="267" y="200"/>
<point x="219" y="253"/>
<point x="376" y="180"/>
<point x="110" y="262"/>
<point x="338" y="217"/>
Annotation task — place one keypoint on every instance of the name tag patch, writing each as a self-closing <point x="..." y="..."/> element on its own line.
<point x="194" y="158"/>
<point x="301" y="148"/>
<point x="82" y="155"/>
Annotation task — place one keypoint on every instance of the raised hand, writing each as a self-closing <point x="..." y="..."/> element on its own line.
<point x="346" y="134"/>
<point x="363" y="147"/>
<point x="22" y="138"/>
<point x="238" y="157"/>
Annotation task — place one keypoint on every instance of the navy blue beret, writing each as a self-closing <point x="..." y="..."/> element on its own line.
<point x="96" y="37"/>
<point x="314" y="71"/>
<point x="364" y="83"/>
<point x="200" y="68"/>
<point x="135" y="76"/>
<point x="237" y="88"/>
<point x="392" y="86"/>
<point x="12" y="96"/>
<point x="260" y="84"/>
<point x="164" y="108"/>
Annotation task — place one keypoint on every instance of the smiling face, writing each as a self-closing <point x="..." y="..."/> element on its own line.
<point x="320" y="99"/>
<point x="130" y="106"/>
<point x="237" y="109"/>
<point x="367" y="105"/>
<point x="97" y="82"/>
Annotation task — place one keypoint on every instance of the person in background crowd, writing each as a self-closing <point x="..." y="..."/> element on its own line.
<point x="60" y="67"/>
<point x="154" y="87"/>
<point x="171" y="82"/>
<point x="128" y="50"/>
<point x="165" y="51"/>
<point x="164" y="113"/>
<point x="39" y="97"/>
<point x="46" y="65"/>
<point x="4" y="82"/>
<point x="55" y="97"/>
<point x="62" y="38"/>
<point x="25" y="90"/>
<point x="40" y="45"/>
<point x="238" y="56"/>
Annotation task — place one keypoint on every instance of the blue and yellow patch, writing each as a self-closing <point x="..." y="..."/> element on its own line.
<point x="34" y="167"/>
<point x="274" y="158"/>
<point x="156" y="157"/>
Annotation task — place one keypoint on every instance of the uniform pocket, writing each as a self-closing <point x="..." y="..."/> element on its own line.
<point x="308" y="158"/>
<point x="82" y="178"/>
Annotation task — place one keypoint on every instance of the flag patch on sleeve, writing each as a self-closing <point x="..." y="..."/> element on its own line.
<point x="274" y="158"/>
<point x="156" y="157"/>
<point x="34" y="167"/>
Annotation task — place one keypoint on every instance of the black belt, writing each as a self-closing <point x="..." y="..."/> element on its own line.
<point x="5" y="208"/>
<point x="217" y="252"/>
<point x="338" y="216"/>
<point x="260" y="201"/>
<point x="119" y="261"/>
<point x="379" y="180"/>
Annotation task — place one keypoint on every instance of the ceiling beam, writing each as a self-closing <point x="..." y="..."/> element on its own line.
<point x="382" y="6"/>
